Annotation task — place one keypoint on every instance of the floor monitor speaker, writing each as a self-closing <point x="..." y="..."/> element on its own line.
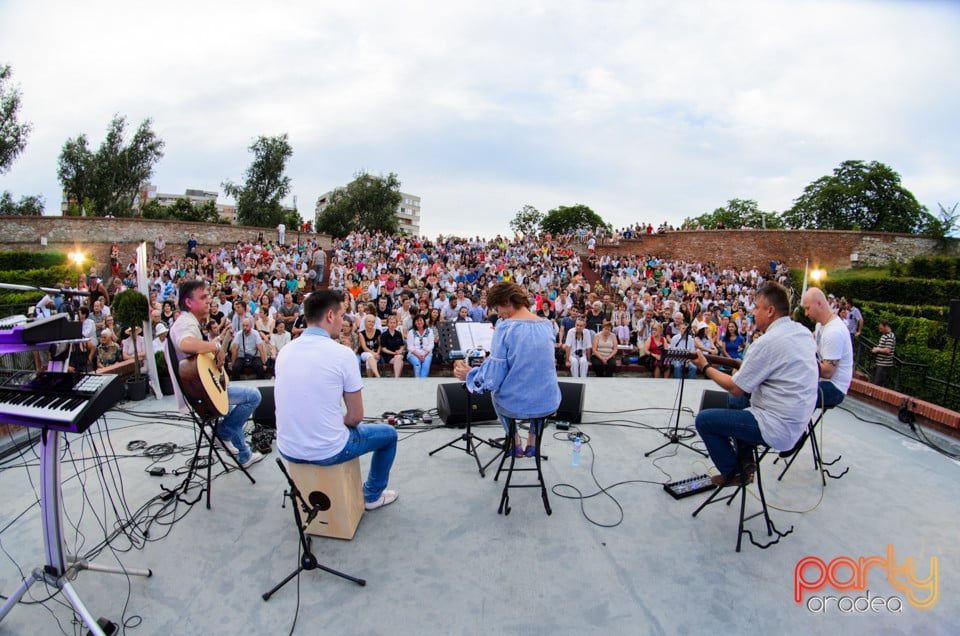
<point x="571" y="402"/>
<point x="452" y="405"/>
<point x="266" y="412"/>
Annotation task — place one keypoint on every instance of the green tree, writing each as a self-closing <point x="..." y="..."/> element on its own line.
<point x="736" y="214"/>
<point x="153" y="210"/>
<point x="75" y="169"/>
<point x="526" y="220"/>
<point x="945" y="222"/>
<point x="367" y="203"/>
<point x="292" y="220"/>
<point x="564" y="218"/>
<point x="183" y="209"/>
<point x="259" y="199"/>
<point x="108" y="182"/>
<point x="27" y="206"/>
<point x="13" y="134"/>
<point x="858" y="196"/>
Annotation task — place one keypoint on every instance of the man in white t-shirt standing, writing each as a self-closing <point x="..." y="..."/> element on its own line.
<point x="318" y="371"/>
<point x="834" y="350"/>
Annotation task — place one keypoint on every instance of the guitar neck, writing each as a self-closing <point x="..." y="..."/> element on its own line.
<point x="684" y="354"/>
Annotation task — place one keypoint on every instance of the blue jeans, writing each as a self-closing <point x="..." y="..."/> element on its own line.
<point x="724" y="431"/>
<point x="243" y="401"/>
<point x="678" y="369"/>
<point x="829" y="395"/>
<point x="381" y="440"/>
<point x="420" y="369"/>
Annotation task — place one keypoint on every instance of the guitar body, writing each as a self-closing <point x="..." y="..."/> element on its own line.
<point x="205" y="384"/>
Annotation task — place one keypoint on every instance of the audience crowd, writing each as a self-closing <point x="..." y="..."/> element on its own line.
<point x="401" y="289"/>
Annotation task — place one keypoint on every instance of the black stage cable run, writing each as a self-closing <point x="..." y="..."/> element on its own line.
<point x="918" y="435"/>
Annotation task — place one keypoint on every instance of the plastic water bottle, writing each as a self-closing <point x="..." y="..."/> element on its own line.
<point x="576" y="451"/>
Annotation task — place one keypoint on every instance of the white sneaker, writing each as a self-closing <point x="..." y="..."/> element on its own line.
<point x="254" y="458"/>
<point x="387" y="498"/>
<point x="225" y="445"/>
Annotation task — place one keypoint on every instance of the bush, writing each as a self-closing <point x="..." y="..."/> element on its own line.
<point x="907" y="291"/>
<point x="31" y="260"/>
<point x="934" y="267"/>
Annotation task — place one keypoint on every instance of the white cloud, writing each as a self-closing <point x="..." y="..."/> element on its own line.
<point x="642" y="110"/>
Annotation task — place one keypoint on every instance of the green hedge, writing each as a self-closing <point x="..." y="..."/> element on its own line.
<point x="931" y="267"/>
<point x="31" y="260"/>
<point x="46" y="277"/>
<point x="906" y="291"/>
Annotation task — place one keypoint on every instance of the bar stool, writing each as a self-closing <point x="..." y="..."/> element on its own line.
<point x="741" y="488"/>
<point x="818" y="463"/>
<point x="508" y="444"/>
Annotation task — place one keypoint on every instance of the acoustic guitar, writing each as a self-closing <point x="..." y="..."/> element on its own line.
<point x="205" y="382"/>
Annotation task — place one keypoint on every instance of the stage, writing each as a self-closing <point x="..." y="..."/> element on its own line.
<point x="630" y="560"/>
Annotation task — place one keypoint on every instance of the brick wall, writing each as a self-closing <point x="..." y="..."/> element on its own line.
<point x="746" y="248"/>
<point x="93" y="236"/>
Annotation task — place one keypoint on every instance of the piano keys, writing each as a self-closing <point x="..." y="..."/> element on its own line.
<point x="69" y="402"/>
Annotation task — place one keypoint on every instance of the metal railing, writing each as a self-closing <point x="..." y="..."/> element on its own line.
<point x="911" y="378"/>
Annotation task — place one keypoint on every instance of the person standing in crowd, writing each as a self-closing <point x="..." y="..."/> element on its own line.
<point x="884" y="352"/>
<point x="314" y="369"/>
<point x="854" y="321"/>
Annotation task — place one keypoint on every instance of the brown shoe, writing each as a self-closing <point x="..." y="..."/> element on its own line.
<point x="737" y="479"/>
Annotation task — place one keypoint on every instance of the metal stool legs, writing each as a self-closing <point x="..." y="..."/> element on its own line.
<point x="508" y="447"/>
<point x="741" y="489"/>
<point x="818" y="463"/>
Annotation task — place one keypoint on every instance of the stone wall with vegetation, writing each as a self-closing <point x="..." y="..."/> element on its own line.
<point x="749" y="248"/>
<point x="93" y="235"/>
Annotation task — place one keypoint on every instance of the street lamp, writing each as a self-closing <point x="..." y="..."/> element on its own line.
<point x="77" y="257"/>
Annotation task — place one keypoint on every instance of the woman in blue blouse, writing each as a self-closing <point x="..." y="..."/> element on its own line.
<point x="520" y="370"/>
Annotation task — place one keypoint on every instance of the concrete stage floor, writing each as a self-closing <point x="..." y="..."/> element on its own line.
<point x="628" y="559"/>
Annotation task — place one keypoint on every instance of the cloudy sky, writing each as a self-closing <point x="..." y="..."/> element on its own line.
<point x="643" y="110"/>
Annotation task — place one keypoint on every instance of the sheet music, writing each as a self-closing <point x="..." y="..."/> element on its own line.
<point x="474" y="335"/>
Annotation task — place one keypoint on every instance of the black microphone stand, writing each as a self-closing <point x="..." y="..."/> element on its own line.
<point x="467" y="437"/>
<point x="307" y="559"/>
<point x="674" y="436"/>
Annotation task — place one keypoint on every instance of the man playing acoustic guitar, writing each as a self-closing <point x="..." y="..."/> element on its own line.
<point x="188" y="340"/>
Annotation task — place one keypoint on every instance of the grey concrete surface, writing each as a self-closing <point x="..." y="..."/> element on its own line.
<point x="625" y="559"/>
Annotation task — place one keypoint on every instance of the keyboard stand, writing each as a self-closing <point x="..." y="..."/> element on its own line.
<point x="59" y="569"/>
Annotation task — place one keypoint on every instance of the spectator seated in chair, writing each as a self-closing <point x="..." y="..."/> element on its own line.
<point x="247" y="351"/>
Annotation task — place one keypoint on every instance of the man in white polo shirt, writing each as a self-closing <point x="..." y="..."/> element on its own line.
<point x="315" y="375"/>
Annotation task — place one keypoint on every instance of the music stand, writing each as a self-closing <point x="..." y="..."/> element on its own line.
<point x="469" y="439"/>
<point x="674" y="436"/>
<point x="59" y="569"/>
<point x="308" y="561"/>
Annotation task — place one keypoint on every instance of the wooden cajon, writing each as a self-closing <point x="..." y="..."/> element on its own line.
<point x="339" y="492"/>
